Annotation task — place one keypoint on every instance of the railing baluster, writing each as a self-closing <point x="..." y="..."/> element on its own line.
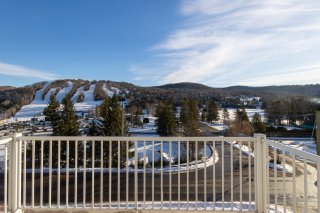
<point x="205" y="173"/>
<point x="305" y="174"/>
<point x="127" y="174"/>
<point x="222" y="172"/>
<point x="59" y="160"/>
<point x="50" y="172"/>
<point x="284" y="180"/>
<point x="268" y="178"/>
<point x="188" y="207"/>
<point x="33" y="165"/>
<point x="101" y="174"/>
<point x="214" y="176"/>
<point x="170" y="174"/>
<point x="19" y="171"/>
<point x="41" y="176"/>
<point x="92" y="172"/>
<point x="110" y="172"/>
<point x="161" y="167"/>
<point x="275" y="178"/>
<point x="136" y="174"/>
<point x="24" y="173"/>
<point x="76" y="173"/>
<point x="294" y="181"/>
<point x="249" y="165"/>
<point x="152" y="174"/>
<point x="5" y="204"/>
<point x="231" y="174"/>
<point x="144" y="174"/>
<point x="240" y="168"/>
<point x="84" y="177"/>
<point x="318" y="184"/>
<point x="67" y="172"/>
<point x="196" y="187"/>
<point x="179" y="156"/>
<point x="118" y="188"/>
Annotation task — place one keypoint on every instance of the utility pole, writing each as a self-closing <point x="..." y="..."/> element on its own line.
<point x="318" y="131"/>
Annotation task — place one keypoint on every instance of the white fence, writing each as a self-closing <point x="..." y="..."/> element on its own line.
<point x="225" y="174"/>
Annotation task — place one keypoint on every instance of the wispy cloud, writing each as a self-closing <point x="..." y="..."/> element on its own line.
<point x="19" y="71"/>
<point x="306" y="75"/>
<point x="226" y="42"/>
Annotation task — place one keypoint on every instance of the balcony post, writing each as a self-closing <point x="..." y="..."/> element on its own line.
<point x="260" y="160"/>
<point x="14" y="191"/>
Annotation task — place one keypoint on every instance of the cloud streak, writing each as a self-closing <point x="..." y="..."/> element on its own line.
<point x="19" y="71"/>
<point x="222" y="43"/>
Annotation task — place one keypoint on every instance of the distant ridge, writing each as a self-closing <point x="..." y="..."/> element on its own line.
<point x="87" y="93"/>
<point x="184" y="85"/>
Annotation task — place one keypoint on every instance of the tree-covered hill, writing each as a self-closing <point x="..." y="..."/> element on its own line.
<point x="13" y="98"/>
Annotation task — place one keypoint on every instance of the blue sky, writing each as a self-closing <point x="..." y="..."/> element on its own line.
<point x="152" y="42"/>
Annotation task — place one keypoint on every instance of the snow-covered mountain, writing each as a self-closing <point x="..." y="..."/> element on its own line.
<point x="40" y="101"/>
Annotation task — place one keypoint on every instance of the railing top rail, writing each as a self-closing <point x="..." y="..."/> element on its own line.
<point x="298" y="152"/>
<point x="107" y="138"/>
<point x="5" y="140"/>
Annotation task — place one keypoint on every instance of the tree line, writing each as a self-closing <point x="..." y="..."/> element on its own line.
<point x="64" y="123"/>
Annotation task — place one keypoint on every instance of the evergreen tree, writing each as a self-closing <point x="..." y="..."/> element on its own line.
<point x="80" y="98"/>
<point x="203" y="114"/>
<point x="135" y="112"/>
<point x="104" y="107"/>
<point x="185" y="112"/>
<point x="225" y="115"/>
<point x="94" y="129"/>
<point x="189" y="118"/>
<point x="166" y="122"/>
<point x="113" y="119"/>
<point x="114" y="125"/>
<point x="212" y="112"/>
<point x="68" y="125"/>
<point x="241" y="126"/>
<point x="242" y="115"/>
<point x="257" y="124"/>
<point x="52" y="114"/>
<point x="192" y="127"/>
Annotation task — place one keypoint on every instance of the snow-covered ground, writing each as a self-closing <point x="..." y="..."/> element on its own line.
<point x="217" y="126"/>
<point x="148" y="128"/>
<point x="246" y="150"/>
<point x="88" y="103"/>
<point x="303" y="144"/>
<point x="167" y="158"/>
<point x="36" y="107"/>
<point x="183" y="205"/>
<point x="250" y="113"/>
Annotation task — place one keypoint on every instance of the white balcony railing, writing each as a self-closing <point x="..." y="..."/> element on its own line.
<point x="225" y="174"/>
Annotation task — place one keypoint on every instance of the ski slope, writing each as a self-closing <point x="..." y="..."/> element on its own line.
<point x="36" y="107"/>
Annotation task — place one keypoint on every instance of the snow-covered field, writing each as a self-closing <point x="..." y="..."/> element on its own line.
<point x="250" y="112"/>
